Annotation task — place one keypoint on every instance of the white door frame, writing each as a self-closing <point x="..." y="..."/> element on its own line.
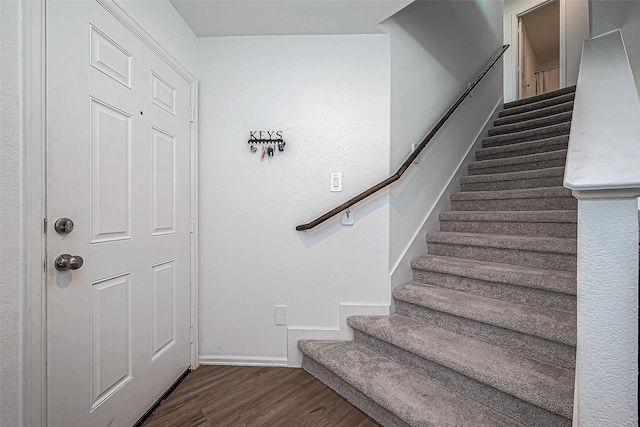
<point x="34" y="55"/>
<point x="513" y="34"/>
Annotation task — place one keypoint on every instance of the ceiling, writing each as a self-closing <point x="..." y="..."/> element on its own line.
<point x="543" y="30"/>
<point x="218" y="18"/>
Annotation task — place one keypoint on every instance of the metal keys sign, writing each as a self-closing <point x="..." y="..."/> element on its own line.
<point x="266" y="143"/>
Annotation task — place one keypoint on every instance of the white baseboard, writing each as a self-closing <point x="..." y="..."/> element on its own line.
<point x="215" y="359"/>
<point x="341" y="332"/>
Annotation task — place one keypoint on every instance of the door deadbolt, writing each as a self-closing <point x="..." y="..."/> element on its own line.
<point x="63" y="226"/>
<point x="67" y="262"/>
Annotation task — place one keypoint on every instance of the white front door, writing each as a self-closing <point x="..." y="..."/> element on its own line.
<point x="118" y="166"/>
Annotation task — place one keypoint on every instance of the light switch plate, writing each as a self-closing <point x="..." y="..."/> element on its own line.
<point x="336" y="181"/>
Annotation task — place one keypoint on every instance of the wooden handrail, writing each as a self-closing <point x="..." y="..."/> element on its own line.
<point x="396" y="176"/>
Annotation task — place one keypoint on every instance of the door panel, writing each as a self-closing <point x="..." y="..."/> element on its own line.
<point x="110" y="58"/>
<point x="111" y="337"/>
<point x="110" y="176"/>
<point x="163" y="308"/>
<point x="163" y="181"/>
<point x="118" y="165"/>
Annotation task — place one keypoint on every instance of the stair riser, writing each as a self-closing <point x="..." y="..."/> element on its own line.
<point x="508" y="152"/>
<point x="510" y="111"/>
<point x="546" y="229"/>
<point x="353" y="395"/>
<point x="502" y="291"/>
<point x="530" y="124"/>
<point x="522" y="411"/>
<point x="527" y="136"/>
<point x="547" y="351"/>
<point x="545" y="164"/>
<point x="550" y="260"/>
<point x="536" y="114"/>
<point x="537" y="204"/>
<point x="516" y="184"/>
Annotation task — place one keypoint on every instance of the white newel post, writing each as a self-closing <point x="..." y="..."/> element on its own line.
<point x="607" y="353"/>
<point x="603" y="171"/>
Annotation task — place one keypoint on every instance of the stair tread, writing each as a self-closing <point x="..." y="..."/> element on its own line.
<point x="542" y="112"/>
<point x="535" y="106"/>
<point x="529" y="158"/>
<point x="563" y="127"/>
<point x="527" y="193"/>
<point x="537" y="98"/>
<point x="522" y="146"/>
<point x="511" y="176"/>
<point x="547" y="386"/>
<point x="417" y="400"/>
<point x="504" y="241"/>
<point x="510" y="216"/>
<point x="553" y="280"/>
<point x="548" y="324"/>
<point x="531" y="123"/>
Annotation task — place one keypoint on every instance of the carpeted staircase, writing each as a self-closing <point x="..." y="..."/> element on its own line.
<point x="485" y="334"/>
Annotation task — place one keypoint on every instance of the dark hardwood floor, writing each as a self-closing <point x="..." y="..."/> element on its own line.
<point x="216" y="396"/>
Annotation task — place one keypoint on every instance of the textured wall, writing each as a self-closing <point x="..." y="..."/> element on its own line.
<point x="330" y="97"/>
<point x="437" y="48"/>
<point x="607" y="358"/>
<point x="11" y="264"/>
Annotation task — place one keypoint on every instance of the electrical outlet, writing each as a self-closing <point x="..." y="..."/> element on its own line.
<point x="280" y="314"/>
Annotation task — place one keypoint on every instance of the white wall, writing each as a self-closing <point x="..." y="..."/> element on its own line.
<point x="330" y="97"/>
<point x="437" y="48"/>
<point x="576" y="19"/>
<point x="631" y="36"/>
<point x="605" y="15"/>
<point x="624" y="15"/>
<point x="11" y="256"/>
<point x="574" y="14"/>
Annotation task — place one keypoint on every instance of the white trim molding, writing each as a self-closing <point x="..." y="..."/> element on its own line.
<point x="242" y="360"/>
<point x="34" y="122"/>
<point x="341" y="332"/>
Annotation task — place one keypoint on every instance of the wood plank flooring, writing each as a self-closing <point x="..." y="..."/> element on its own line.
<point x="217" y="396"/>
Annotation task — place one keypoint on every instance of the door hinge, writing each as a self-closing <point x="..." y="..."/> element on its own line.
<point x="192" y="114"/>
<point x="45" y="226"/>
<point x="191" y="335"/>
<point x="191" y="225"/>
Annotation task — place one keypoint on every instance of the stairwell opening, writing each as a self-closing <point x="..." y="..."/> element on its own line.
<point x="538" y="70"/>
